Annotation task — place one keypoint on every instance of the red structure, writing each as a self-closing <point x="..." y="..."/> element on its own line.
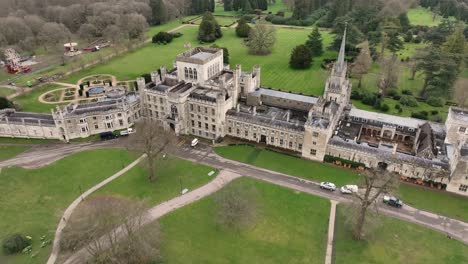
<point x="13" y="62"/>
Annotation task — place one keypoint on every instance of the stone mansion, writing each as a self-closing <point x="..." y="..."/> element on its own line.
<point x="203" y="97"/>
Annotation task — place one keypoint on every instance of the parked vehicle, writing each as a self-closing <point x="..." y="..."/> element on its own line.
<point x="127" y="132"/>
<point x="194" y="142"/>
<point x="392" y="201"/>
<point x="349" y="189"/>
<point x="328" y="186"/>
<point x="107" y="135"/>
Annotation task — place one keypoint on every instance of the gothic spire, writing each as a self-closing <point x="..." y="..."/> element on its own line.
<point x="341" y="56"/>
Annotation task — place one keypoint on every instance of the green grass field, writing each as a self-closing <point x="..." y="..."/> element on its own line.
<point x="276" y="72"/>
<point x="4" y="92"/>
<point x="29" y="101"/>
<point x="440" y="202"/>
<point x="395" y="241"/>
<point x="8" y="152"/>
<point x="222" y="21"/>
<point x="290" y="227"/>
<point x="32" y="201"/>
<point x="170" y="173"/>
<point x="26" y="140"/>
<point x="288" y="164"/>
<point x="424" y="17"/>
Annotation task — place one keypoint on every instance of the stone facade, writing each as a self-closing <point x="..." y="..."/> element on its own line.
<point x="205" y="98"/>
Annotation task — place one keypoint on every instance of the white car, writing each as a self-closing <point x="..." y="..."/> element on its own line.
<point x="127" y="132"/>
<point x="328" y="186"/>
<point x="349" y="189"/>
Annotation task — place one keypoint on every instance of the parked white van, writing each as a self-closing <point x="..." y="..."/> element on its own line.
<point x="194" y="142"/>
<point x="348" y="189"/>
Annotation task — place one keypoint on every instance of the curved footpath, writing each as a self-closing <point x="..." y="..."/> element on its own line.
<point x="68" y="212"/>
<point x="164" y="208"/>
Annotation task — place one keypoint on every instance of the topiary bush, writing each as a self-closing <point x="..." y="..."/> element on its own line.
<point x="435" y="101"/>
<point x="420" y="115"/>
<point x="15" y="243"/>
<point x="408" y="101"/>
<point x="384" y="107"/>
<point x="162" y="38"/>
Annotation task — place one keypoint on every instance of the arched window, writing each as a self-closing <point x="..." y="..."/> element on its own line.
<point x="190" y="73"/>
<point x="195" y="74"/>
<point x="186" y="72"/>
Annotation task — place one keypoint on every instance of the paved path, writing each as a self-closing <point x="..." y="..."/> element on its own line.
<point x="162" y="209"/>
<point x="454" y="228"/>
<point x="44" y="154"/>
<point x="68" y="212"/>
<point x="331" y="232"/>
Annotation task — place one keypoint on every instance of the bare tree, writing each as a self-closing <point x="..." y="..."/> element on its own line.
<point x="375" y="182"/>
<point x="152" y="139"/>
<point x="389" y="76"/>
<point x="236" y="206"/>
<point x="460" y="92"/>
<point x="363" y="62"/>
<point x="112" y="231"/>
<point x="52" y="34"/>
<point x="262" y="38"/>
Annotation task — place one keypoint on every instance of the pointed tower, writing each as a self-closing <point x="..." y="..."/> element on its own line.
<point x="340" y="65"/>
<point x="338" y="87"/>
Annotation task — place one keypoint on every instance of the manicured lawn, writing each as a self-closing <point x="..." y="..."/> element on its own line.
<point x="440" y="202"/>
<point x="4" y="92"/>
<point x="396" y="241"/>
<point x="222" y="21"/>
<point x="26" y="140"/>
<point x="288" y="164"/>
<point x="290" y="228"/>
<point x="275" y="68"/>
<point x="171" y="172"/>
<point x="32" y="201"/>
<point x="8" y="152"/>
<point x="29" y="102"/>
<point x="422" y="16"/>
<point x="443" y="203"/>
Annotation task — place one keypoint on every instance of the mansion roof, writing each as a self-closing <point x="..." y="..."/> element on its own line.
<point x="286" y="95"/>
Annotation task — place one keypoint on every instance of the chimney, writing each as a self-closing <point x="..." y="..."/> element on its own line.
<point x="155" y="78"/>
<point x="163" y="73"/>
<point x="238" y="108"/>
<point x="288" y="115"/>
<point x="254" y="110"/>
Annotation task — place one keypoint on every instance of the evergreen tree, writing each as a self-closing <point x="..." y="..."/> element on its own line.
<point x="300" y="9"/>
<point x="263" y="4"/>
<point x="212" y="6"/>
<point x="314" y="43"/>
<point x="404" y="22"/>
<point x="242" y="29"/>
<point x="225" y="53"/>
<point x="440" y="72"/>
<point x="158" y="12"/>
<point x="394" y="43"/>
<point x="301" y="57"/>
<point x="209" y="29"/>
<point x="237" y="4"/>
<point x="456" y="45"/>
<point x="227" y="5"/>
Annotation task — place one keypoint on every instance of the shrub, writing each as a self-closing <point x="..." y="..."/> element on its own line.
<point x="437" y="119"/>
<point x="242" y="29"/>
<point x="420" y="115"/>
<point x="435" y="101"/>
<point x="162" y="38"/>
<point x="356" y="95"/>
<point x="5" y="103"/>
<point x="384" y="107"/>
<point x="15" y="243"/>
<point x="396" y="97"/>
<point x="392" y="92"/>
<point x="408" y="101"/>
<point x="369" y="99"/>
<point x="434" y="112"/>
<point x="407" y="92"/>
<point x="301" y="57"/>
<point x="331" y="159"/>
<point x="397" y="106"/>
<point x="177" y="34"/>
